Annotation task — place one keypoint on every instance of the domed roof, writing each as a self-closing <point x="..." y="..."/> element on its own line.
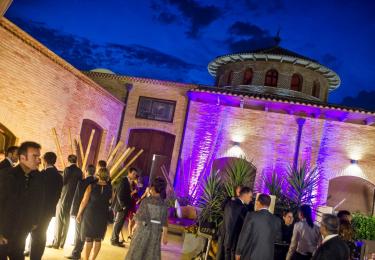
<point x="103" y="70"/>
<point x="277" y="54"/>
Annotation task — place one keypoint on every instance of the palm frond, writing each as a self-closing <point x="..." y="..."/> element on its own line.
<point x="239" y="172"/>
<point x="303" y="183"/>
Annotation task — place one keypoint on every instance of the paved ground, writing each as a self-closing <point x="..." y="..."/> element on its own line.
<point x="171" y="251"/>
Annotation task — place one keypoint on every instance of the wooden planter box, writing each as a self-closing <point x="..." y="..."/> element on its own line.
<point x="192" y="246"/>
<point x="368" y="249"/>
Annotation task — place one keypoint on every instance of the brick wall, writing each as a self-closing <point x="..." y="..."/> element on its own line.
<point x="268" y="140"/>
<point x="285" y="70"/>
<point x="160" y="90"/>
<point x="39" y="91"/>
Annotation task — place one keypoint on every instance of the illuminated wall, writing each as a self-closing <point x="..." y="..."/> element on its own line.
<point x="215" y="130"/>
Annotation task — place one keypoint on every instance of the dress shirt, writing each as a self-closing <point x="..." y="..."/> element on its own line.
<point x="304" y="240"/>
<point x="329" y="237"/>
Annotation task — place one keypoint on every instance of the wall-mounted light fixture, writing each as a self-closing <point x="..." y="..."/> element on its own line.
<point x="242" y="102"/>
<point x="353" y="161"/>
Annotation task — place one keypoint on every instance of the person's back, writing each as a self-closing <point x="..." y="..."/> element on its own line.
<point x="263" y="234"/>
<point x="332" y="247"/>
<point x="260" y="231"/>
<point x="308" y="237"/>
<point x="52" y="189"/>
<point x="72" y="175"/>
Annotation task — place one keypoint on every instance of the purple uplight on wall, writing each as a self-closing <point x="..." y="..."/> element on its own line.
<point x="201" y="143"/>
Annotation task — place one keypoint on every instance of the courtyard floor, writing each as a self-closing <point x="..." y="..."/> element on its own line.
<point x="108" y="252"/>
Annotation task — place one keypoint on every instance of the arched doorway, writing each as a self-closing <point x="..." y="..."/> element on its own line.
<point x="87" y="126"/>
<point x="157" y="151"/>
<point x="235" y="164"/>
<point x="357" y="192"/>
<point x="7" y="138"/>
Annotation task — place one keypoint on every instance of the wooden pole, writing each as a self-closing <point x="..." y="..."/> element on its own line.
<point x="71" y="142"/>
<point x="58" y="147"/>
<point x="88" y="150"/>
<point x="101" y="144"/>
<point x="110" y="147"/>
<point x="166" y="175"/>
<point x="127" y="166"/>
<point x="113" y="153"/>
<point x="120" y="160"/>
<point x="80" y="148"/>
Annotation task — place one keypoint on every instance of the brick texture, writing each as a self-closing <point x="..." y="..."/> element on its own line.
<point x="37" y="93"/>
<point x="285" y="71"/>
<point x="269" y="139"/>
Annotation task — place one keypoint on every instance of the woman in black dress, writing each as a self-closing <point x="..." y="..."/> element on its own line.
<point x="93" y="213"/>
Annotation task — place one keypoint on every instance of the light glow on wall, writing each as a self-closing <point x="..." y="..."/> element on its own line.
<point x="235" y="151"/>
<point x="354" y="170"/>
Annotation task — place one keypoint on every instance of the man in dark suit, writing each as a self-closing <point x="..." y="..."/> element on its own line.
<point x="332" y="247"/>
<point x="10" y="159"/>
<point x="260" y="231"/>
<point x="21" y="201"/>
<point x="52" y="182"/>
<point x="234" y="214"/>
<point x="121" y="205"/>
<point x="71" y="176"/>
<point x="78" y="196"/>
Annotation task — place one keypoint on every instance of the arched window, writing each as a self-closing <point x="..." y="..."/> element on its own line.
<point x="296" y="83"/>
<point x="230" y="77"/>
<point x="316" y="89"/>
<point x="271" y="78"/>
<point x="247" y="76"/>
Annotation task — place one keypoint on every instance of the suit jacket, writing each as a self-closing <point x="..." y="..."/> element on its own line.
<point x="71" y="176"/>
<point x="21" y="201"/>
<point x="4" y="164"/>
<point x="122" y="195"/>
<point x="333" y="249"/>
<point x="234" y="216"/>
<point x="78" y="194"/>
<point x="259" y="232"/>
<point x="53" y="183"/>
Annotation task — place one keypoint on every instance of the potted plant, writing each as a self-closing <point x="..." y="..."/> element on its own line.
<point x="364" y="228"/>
<point x="238" y="172"/>
<point x="295" y="188"/>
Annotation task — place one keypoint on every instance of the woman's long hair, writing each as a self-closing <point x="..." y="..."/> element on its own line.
<point x="305" y="210"/>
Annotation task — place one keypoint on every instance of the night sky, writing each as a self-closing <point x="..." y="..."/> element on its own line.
<point x="176" y="39"/>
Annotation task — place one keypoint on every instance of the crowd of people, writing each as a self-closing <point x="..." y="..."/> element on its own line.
<point x="30" y="198"/>
<point x="252" y="232"/>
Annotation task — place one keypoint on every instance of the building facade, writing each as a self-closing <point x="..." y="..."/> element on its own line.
<point x="267" y="105"/>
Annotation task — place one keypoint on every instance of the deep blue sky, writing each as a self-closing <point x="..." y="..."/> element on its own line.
<point x="175" y="39"/>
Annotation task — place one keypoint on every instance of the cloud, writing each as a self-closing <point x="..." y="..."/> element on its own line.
<point x="364" y="99"/>
<point x="199" y="16"/>
<point x="245" y="36"/>
<point x="252" y="4"/>
<point x="276" y="6"/>
<point x="331" y="61"/>
<point x="246" y="29"/>
<point x="166" y="17"/>
<point x="134" y="59"/>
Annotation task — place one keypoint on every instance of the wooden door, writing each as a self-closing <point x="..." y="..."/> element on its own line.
<point x="87" y="126"/>
<point x="156" y="145"/>
<point x="7" y="138"/>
